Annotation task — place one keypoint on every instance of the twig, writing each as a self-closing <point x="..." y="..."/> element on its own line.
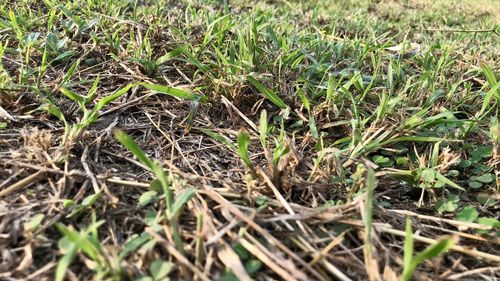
<point x="45" y="268"/>
<point x="459" y="276"/>
<point x="281" y="199"/>
<point x="465" y="235"/>
<point x="5" y="114"/>
<point x="456" y="248"/>
<point x="172" y="141"/>
<point x="86" y="166"/>
<point x="34" y="167"/>
<point x="324" y="252"/>
<point x="304" y="245"/>
<point x="221" y="200"/>
<point x="436" y="219"/>
<point x="10" y="178"/>
<point x="462" y="30"/>
<point x="136" y="184"/>
<point x="246" y="119"/>
<point x="174" y="252"/>
<point x="266" y="260"/>
<point x="276" y="192"/>
<point x="20" y="184"/>
<point x="231" y="260"/>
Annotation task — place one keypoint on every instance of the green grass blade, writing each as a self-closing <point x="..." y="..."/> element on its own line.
<point x="108" y="99"/>
<point x="495" y="131"/>
<point x="267" y="93"/>
<point x="134" y="244"/>
<point x="330" y="90"/>
<point x="444" y="179"/>
<point x="435" y="250"/>
<point x="92" y="92"/>
<point x="172" y="54"/>
<point x="65" y="261"/>
<point x="159" y="269"/>
<point x="390" y="77"/>
<point x="70" y="72"/>
<point x="408" y="248"/>
<point x="193" y="110"/>
<point x="263" y="128"/>
<point x="441" y="247"/>
<point x="165" y="181"/>
<point x="180" y="201"/>
<point x="133" y="147"/>
<point x="243" y="143"/>
<point x="73" y="96"/>
<point x="312" y="122"/>
<point x="53" y="109"/>
<point x="15" y="25"/>
<point x="80" y="240"/>
<point x="486" y="102"/>
<point x="490" y="75"/>
<point x="172" y="91"/>
<point x="220" y="138"/>
<point x="383" y="107"/>
<point x="414" y="139"/>
<point x="435" y="155"/>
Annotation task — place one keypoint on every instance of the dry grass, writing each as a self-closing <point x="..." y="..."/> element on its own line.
<point x="289" y="221"/>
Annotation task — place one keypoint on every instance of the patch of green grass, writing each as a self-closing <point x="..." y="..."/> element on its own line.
<point x="322" y="96"/>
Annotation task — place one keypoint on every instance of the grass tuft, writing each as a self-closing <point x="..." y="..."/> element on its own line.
<point x="249" y="140"/>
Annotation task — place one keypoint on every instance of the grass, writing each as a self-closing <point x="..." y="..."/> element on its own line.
<point x="241" y="140"/>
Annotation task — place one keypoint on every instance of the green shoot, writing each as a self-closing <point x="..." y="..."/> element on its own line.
<point x="412" y="262"/>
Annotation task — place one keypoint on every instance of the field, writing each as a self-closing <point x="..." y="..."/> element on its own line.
<point x="249" y="140"/>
